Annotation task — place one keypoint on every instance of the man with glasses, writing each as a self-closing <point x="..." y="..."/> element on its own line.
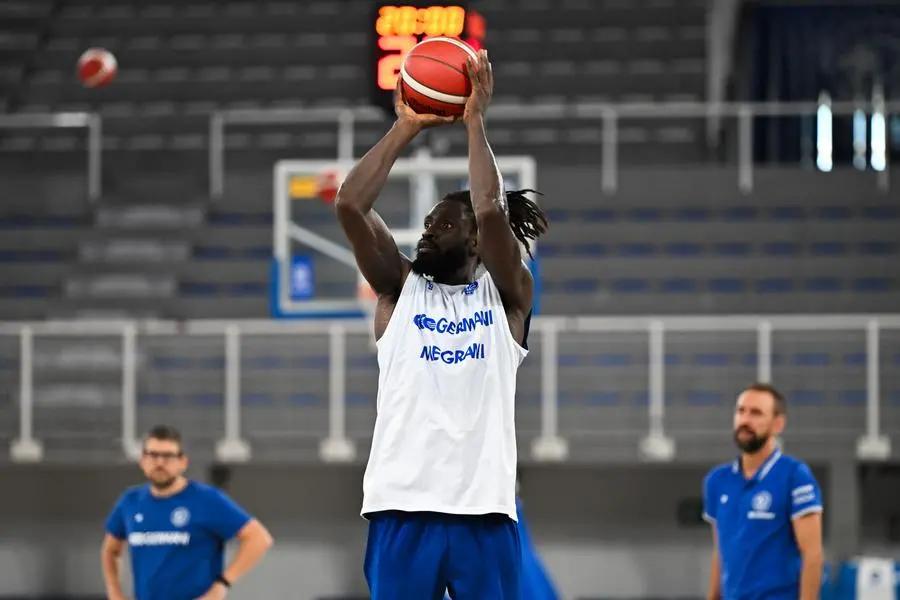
<point x="176" y="530"/>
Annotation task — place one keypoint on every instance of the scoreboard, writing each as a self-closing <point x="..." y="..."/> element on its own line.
<point x="395" y="28"/>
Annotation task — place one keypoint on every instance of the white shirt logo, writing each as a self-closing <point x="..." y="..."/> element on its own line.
<point x="762" y="501"/>
<point x="760" y="506"/>
<point x="723" y="498"/>
<point x="139" y="518"/>
<point x="180" y="517"/>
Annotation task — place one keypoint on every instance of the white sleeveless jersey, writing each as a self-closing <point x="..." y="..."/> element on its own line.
<point x="444" y="438"/>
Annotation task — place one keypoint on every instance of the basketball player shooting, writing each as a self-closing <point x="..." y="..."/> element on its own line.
<point x="440" y="484"/>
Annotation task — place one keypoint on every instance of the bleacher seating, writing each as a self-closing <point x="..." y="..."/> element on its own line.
<point x="685" y="242"/>
<point x="181" y="60"/>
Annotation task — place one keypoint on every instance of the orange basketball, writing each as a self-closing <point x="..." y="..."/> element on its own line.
<point x="434" y="78"/>
<point x="97" y="67"/>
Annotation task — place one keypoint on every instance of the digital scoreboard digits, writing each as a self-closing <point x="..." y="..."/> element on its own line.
<point x="395" y="28"/>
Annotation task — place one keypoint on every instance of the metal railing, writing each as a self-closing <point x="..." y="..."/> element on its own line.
<point x="346" y="120"/>
<point x="91" y="121"/>
<point x="610" y="116"/>
<point x="657" y="444"/>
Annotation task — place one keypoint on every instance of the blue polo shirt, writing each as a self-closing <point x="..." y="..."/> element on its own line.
<point x="177" y="543"/>
<point x="758" y="553"/>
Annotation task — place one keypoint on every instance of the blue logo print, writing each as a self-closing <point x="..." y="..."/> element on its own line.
<point x="452" y="357"/>
<point x="483" y="318"/>
<point x="470" y="289"/>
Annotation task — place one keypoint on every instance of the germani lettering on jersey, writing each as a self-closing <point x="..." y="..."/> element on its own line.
<point x="483" y="318"/>
<point x="452" y="357"/>
<point x="159" y="538"/>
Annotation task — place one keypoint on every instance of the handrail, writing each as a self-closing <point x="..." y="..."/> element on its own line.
<point x="550" y="445"/>
<point x="609" y="113"/>
<point x="90" y="121"/>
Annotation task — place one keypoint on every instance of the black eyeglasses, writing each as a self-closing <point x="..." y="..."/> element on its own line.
<point x="166" y="456"/>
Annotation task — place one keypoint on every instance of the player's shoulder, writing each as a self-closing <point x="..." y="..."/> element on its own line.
<point x="721" y="470"/>
<point x="791" y="465"/>
<point x="204" y="491"/>
<point x="134" y="493"/>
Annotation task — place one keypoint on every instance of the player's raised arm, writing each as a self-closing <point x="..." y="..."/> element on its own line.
<point x="377" y="255"/>
<point x="499" y="233"/>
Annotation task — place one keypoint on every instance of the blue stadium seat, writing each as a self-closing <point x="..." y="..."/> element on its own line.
<point x="781" y="249"/>
<point x="711" y="359"/>
<point x="680" y="285"/>
<point x="257" y="399"/>
<point x="611" y="360"/>
<point x="705" y="398"/>
<point x="636" y="249"/>
<point x="210" y="399"/>
<point x="829" y="248"/>
<point x="630" y="285"/>
<point x="787" y="213"/>
<point x="775" y="285"/>
<point x="155" y="399"/>
<point x="588" y="249"/>
<point x="882" y="212"/>
<point x="878" y="248"/>
<point x="834" y="213"/>
<point x="684" y="249"/>
<point x="824" y="285"/>
<point x="807" y="397"/>
<point x="853" y="397"/>
<point x="645" y="214"/>
<point x="603" y="398"/>
<point x="733" y="248"/>
<point x="872" y="285"/>
<point x="812" y="359"/>
<point x="693" y="213"/>
<point x="740" y="213"/>
<point x="726" y="285"/>
<point x="306" y="399"/>
<point x="600" y="215"/>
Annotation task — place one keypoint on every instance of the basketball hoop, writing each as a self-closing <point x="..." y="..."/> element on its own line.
<point x="368" y="300"/>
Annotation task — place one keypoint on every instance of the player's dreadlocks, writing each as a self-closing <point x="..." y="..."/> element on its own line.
<point x="526" y="219"/>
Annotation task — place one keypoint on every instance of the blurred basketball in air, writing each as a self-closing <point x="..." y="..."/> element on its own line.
<point x="97" y="67"/>
<point x="434" y="78"/>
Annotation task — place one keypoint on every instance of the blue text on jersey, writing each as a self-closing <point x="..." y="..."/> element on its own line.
<point x="483" y="318"/>
<point x="452" y="357"/>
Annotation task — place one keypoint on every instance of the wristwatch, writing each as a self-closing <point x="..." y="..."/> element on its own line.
<point x="221" y="579"/>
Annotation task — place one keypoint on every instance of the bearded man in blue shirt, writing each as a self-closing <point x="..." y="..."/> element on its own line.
<point x="765" y="508"/>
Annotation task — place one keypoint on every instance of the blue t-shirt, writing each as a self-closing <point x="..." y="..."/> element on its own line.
<point x="177" y="544"/>
<point x="753" y="518"/>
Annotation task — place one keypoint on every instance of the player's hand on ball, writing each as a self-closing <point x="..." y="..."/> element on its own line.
<point x="420" y="121"/>
<point x="482" y="78"/>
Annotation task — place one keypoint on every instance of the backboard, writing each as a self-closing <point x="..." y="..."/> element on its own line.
<point x="314" y="273"/>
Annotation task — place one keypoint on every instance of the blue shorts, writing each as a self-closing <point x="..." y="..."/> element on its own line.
<point x="419" y="555"/>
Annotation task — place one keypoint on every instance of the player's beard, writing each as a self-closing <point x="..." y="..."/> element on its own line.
<point x="162" y="484"/>
<point x="750" y="445"/>
<point x="440" y="265"/>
